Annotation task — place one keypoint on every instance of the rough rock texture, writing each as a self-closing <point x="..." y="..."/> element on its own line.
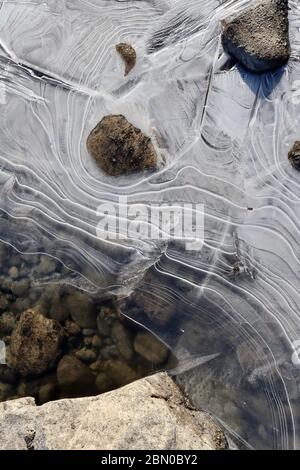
<point x="128" y="54"/>
<point x="119" y="148"/>
<point x="35" y="343"/>
<point x="259" y="37"/>
<point x="119" y="373"/>
<point x="149" y="414"/>
<point x="159" y="311"/>
<point x="71" y="372"/>
<point x="294" y="155"/>
<point x="82" y="310"/>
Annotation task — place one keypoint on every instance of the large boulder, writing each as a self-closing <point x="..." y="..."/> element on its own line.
<point x="259" y="37"/>
<point x="148" y="414"/>
<point x="119" y="148"/>
<point x="35" y="344"/>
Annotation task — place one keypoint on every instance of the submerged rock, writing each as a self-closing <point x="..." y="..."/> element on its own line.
<point x="103" y="383"/>
<point x="35" y="344"/>
<point x="119" y="148"/>
<point x="72" y="328"/>
<point x="128" y="54"/>
<point x="46" y="393"/>
<point x="294" y="155"/>
<point x="119" y="372"/>
<point x="82" y="310"/>
<point x="150" y="348"/>
<point x="157" y="310"/>
<point x="7" y="323"/>
<point x="13" y="272"/>
<point x="7" y="375"/>
<point x="259" y="37"/>
<point x="122" y="339"/>
<point x="5" y="391"/>
<point x="46" y="267"/>
<point x="71" y="372"/>
<point x="4" y="302"/>
<point x="86" y="355"/>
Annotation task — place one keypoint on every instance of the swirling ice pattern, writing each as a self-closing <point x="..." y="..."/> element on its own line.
<point x="224" y="134"/>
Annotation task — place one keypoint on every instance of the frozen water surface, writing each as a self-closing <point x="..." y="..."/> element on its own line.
<point x="224" y="134"/>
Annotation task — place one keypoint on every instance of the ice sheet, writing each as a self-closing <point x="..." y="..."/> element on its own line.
<point x="224" y="134"/>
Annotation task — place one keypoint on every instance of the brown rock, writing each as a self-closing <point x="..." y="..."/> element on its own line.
<point x="47" y="392"/>
<point x="13" y="272"/>
<point x="119" y="148"/>
<point x="35" y="344"/>
<point x="103" y="383"/>
<point x="72" y="328"/>
<point x="119" y="372"/>
<point x="86" y="355"/>
<point x="96" y="342"/>
<point x="128" y="54"/>
<point x="7" y="375"/>
<point x="31" y="387"/>
<point x="259" y="37"/>
<point x="4" y="302"/>
<point x="5" y="391"/>
<point x="7" y="323"/>
<point x="294" y="155"/>
<point x="71" y="372"/>
<point x="82" y="309"/>
<point x="150" y="348"/>
<point x="122" y="339"/>
<point x="158" y="310"/>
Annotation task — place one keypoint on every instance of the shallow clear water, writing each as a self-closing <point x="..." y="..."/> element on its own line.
<point x="224" y="134"/>
<point x="108" y="350"/>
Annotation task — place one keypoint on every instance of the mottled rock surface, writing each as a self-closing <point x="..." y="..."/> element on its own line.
<point x="35" y="344"/>
<point x="149" y="414"/>
<point x="71" y="372"/>
<point x="128" y="55"/>
<point x="259" y="37"/>
<point x="82" y="310"/>
<point x="294" y="155"/>
<point x="150" y="348"/>
<point x="119" y="148"/>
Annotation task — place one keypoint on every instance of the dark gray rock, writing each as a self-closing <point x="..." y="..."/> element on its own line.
<point x="259" y="37"/>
